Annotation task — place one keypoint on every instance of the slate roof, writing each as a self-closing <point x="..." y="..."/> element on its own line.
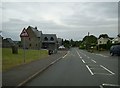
<point x="10" y="40"/>
<point x="49" y="36"/>
<point x="37" y="32"/>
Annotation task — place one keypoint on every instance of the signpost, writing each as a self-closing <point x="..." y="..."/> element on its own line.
<point x="24" y="34"/>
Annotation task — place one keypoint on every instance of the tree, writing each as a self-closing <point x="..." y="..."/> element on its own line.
<point x="109" y="44"/>
<point x="89" y="40"/>
<point x="66" y="43"/>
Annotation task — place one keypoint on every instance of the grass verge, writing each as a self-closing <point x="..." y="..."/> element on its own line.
<point x="10" y="60"/>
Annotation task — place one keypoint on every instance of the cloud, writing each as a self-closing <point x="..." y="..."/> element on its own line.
<point x="66" y="19"/>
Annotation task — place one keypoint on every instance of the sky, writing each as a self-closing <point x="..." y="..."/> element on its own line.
<point x="68" y="20"/>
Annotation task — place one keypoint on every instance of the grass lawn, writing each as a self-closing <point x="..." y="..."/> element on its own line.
<point x="10" y="60"/>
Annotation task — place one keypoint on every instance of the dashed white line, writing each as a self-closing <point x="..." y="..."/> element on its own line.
<point x="107" y="69"/>
<point x="78" y="54"/>
<point x="89" y="70"/>
<point x="88" y="57"/>
<point x="83" y="61"/>
<point x="93" y="60"/>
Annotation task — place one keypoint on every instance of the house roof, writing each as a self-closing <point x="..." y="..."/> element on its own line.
<point x="9" y="40"/>
<point x="1" y="37"/>
<point x="37" y="32"/>
<point x="49" y="36"/>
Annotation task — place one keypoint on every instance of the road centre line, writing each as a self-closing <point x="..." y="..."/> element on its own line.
<point x="89" y="70"/>
<point x="78" y="54"/>
<point x="107" y="69"/>
<point x="85" y="55"/>
<point x="88" y="57"/>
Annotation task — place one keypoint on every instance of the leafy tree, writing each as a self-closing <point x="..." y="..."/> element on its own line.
<point x="66" y="43"/>
<point x="89" y="41"/>
<point x="109" y="44"/>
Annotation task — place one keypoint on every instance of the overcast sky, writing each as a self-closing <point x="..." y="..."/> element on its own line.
<point x="68" y="20"/>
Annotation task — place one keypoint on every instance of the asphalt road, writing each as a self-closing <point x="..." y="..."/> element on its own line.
<point x="80" y="68"/>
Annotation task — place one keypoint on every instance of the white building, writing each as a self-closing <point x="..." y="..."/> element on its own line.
<point x="102" y="40"/>
<point x="116" y="40"/>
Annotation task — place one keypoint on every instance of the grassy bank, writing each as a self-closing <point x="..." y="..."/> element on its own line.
<point x="10" y="60"/>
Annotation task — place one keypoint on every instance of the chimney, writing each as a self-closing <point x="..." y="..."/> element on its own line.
<point x="35" y="27"/>
<point x="88" y="33"/>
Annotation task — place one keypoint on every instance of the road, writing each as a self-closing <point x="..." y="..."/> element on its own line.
<point x="80" y="68"/>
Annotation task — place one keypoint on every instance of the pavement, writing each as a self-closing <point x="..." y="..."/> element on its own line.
<point x="23" y="73"/>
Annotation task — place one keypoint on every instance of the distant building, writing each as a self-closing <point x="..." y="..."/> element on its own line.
<point x="7" y="43"/>
<point x="60" y="42"/>
<point x="116" y="40"/>
<point x="36" y="39"/>
<point x="102" y="41"/>
<point x="49" y="41"/>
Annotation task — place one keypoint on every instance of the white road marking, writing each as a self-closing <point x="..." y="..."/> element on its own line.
<point x="83" y="61"/>
<point x="101" y="86"/>
<point x="107" y="69"/>
<point x="65" y="55"/>
<point x="110" y="84"/>
<point x="78" y="54"/>
<point x="89" y="70"/>
<point x="93" y="60"/>
<point x="88" y="57"/>
<point x="103" y="74"/>
<point x="102" y="55"/>
<point x="85" y="55"/>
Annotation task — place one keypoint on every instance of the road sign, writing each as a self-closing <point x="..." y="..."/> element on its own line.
<point x="24" y="33"/>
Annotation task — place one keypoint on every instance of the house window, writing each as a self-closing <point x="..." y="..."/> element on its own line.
<point x="46" y="39"/>
<point x="52" y="39"/>
<point x="29" y="39"/>
<point x="30" y="45"/>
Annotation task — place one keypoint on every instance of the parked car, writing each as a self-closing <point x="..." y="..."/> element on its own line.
<point x="115" y="50"/>
<point x="50" y="52"/>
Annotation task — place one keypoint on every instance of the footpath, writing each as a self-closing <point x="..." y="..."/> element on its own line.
<point x="19" y="75"/>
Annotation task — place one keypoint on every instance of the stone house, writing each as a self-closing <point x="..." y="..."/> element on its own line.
<point x="37" y="40"/>
<point x="33" y="40"/>
<point x="49" y="41"/>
